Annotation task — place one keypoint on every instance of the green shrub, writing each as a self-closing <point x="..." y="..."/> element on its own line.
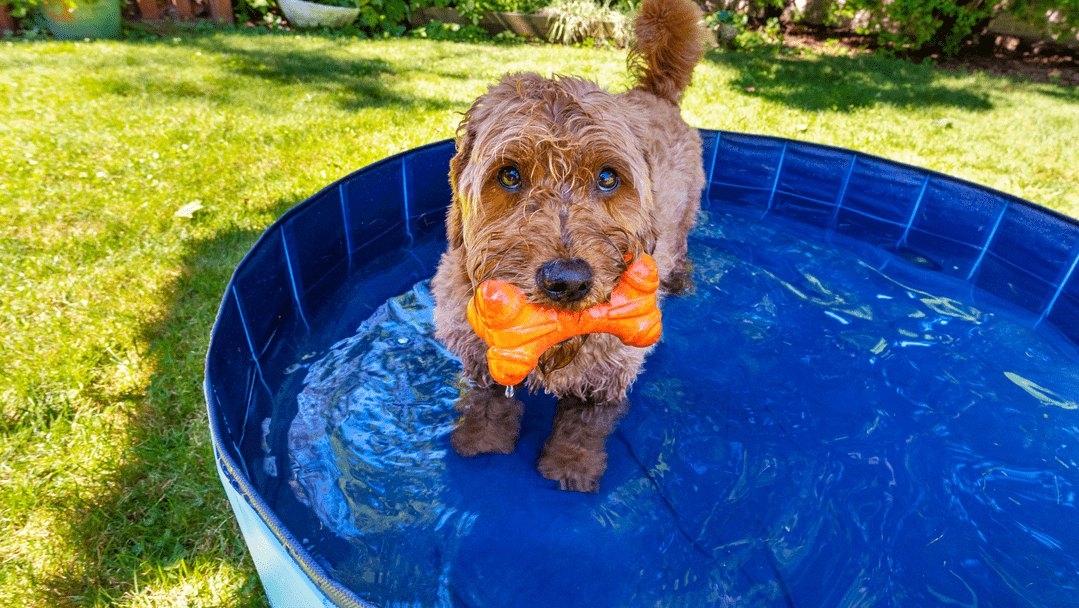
<point x="735" y="31"/>
<point x="474" y="10"/>
<point x="1063" y="15"/>
<point x="19" y="9"/>
<point x="391" y="17"/>
<point x="454" y="32"/>
<point x="910" y="27"/>
<point x="383" y="17"/>
<point x="257" y="12"/>
<point x="590" y="22"/>
<point x="925" y="25"/>
<point x="22" y="11"/>
<point x="944" y="26"/>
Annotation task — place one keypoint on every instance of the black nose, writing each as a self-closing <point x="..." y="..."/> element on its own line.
<point x="565" y="280"/>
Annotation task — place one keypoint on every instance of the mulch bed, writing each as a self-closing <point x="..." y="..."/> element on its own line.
<point x="1005" y="56"/>
<point x="1010" y="57"/>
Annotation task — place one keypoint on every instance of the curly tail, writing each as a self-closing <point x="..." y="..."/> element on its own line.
<point x="670" y="41"/>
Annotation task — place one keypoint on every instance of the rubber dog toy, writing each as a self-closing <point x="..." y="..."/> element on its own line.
<point x="518" y="332"/>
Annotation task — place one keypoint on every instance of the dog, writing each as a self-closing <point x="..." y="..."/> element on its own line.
<point x="557" y="184"/>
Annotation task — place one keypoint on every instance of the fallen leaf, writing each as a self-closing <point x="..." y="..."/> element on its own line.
<point x="189" y="209"/>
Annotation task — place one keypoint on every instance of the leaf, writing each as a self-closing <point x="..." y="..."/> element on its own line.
<point x="189" y="209"/>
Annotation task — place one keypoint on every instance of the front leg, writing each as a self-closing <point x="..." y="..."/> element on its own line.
<point x="490" y="422"/>
<point x="575" y="454"/>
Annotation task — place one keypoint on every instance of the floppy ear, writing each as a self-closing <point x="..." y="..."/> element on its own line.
<point x="454" y="217"/>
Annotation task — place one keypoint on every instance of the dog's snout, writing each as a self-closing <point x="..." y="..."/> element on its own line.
<point x="565" y="281"/>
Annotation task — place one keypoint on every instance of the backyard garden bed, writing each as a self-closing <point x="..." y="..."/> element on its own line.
<point x="1008" y="56"/>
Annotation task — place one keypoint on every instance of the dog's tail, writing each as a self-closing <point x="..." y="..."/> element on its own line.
<point x="670" y="42"/>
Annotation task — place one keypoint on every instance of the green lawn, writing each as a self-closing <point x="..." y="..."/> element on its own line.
<point x="108" y="494"/>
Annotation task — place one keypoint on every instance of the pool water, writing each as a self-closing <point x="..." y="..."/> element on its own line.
<point x="823" y="424"/>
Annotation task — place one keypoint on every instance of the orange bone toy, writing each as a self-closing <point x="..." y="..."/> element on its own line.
<point x="517" y="331"/>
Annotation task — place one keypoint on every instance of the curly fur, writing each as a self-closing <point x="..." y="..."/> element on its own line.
<point x="559" y="133"/>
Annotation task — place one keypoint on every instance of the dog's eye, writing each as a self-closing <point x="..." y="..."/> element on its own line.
<point x="509" y="178"/>
<point x="607" y="180"/>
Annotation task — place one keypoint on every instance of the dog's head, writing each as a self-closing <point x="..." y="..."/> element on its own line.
<point x="551" y="190"/>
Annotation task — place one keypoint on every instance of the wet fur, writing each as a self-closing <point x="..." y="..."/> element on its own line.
<point x="560" y="132"/>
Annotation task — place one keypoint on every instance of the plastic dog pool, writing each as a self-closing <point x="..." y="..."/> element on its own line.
<point x="870" y="399"/>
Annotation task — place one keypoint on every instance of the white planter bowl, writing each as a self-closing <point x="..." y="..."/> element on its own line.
<point x="301" y="13"/>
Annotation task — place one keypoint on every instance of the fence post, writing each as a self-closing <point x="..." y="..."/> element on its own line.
<point x="7" y="23"/>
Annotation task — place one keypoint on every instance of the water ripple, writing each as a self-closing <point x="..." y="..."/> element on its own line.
<point x="820" y="426"/>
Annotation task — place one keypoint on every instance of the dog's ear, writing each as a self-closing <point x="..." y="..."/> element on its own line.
<point x="460" y="160"/>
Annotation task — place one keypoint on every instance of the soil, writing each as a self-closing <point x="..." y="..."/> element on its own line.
<point x="1004" y="56"/>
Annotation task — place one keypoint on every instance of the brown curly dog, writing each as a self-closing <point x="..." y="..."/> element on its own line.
<point x="555" y="183"/>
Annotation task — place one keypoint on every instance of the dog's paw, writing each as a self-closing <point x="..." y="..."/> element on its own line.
<point x="490" y="423"/>
<point x="575" y="469"/>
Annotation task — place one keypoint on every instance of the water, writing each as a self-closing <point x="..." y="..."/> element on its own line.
<point x="823" y="424"/>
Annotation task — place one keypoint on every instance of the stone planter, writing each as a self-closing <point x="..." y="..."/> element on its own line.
<point x="301" y="13"/>
<point x="527" y="25"/>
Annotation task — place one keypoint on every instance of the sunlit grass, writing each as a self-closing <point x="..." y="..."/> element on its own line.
<point x="1010" y="136"/>
<point x="108" y="495"/>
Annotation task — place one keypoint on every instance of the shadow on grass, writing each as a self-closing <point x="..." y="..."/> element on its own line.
<point x="1063" y="93"/>
<point x="355" y="83"/>
<point x="166" y="526"/>
<point x="840" y="83"/>
<point x="279" y="72"/>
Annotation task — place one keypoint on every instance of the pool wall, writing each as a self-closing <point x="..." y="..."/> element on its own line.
<point x="390" y="215"/>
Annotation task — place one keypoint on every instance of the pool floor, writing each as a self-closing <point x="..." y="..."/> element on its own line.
<point x="823" y="424"/>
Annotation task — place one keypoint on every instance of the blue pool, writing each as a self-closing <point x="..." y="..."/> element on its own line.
<point x="872" y="398"/>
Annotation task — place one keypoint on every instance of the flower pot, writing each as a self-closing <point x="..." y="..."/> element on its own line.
<point x="88" y="19"/>
<point x="301" y="13"/>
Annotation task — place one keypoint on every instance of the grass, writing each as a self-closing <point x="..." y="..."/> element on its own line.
<point x="108" y="494"/>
